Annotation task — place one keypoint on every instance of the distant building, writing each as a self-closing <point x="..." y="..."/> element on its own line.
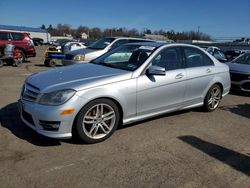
<point x="157" y="37"/>
<point x="84" y="36"/>
<point x="34" y="32"/>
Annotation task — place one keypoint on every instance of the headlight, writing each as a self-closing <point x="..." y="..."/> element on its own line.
<point x="56" y="97"/>
<point x="80" y="57"/>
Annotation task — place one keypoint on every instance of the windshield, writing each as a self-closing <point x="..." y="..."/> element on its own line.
<point x="101" y="44"/>
<point x="243" y="59"/>
<point x="126" y="57"/>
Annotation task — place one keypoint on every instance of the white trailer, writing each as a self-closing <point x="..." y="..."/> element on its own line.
<point x="34" y="32"/>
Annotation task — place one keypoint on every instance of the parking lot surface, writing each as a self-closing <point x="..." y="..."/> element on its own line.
<point x="185" y="149"/>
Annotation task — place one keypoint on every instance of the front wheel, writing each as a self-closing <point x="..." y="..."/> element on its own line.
<point x="97" y="121"/>
<point x="213" y="98"/>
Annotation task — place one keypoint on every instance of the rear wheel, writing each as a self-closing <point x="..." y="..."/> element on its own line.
<point x="213" y="98"/>
<point x="49" y="63"/>
<point x="17" y="62"/>
<point x="97" y="121"/>
<point x="23" y="57"/>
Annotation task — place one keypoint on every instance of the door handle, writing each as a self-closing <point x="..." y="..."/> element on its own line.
<point x="208" y="70"/>
<point x="179" y="76"/>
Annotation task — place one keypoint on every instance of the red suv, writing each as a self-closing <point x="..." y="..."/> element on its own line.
<point x="22" y="41"/>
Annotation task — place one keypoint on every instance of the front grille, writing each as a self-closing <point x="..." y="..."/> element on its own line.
<point x="30" y="92"/>
<point x="28" y="117"/>
<point x="69" y="56"/>
<point x="238" y="76"/>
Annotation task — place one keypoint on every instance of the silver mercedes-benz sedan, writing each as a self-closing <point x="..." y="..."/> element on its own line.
<point x="130" y="83"/>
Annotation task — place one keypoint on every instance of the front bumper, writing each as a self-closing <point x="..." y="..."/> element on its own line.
<point x="34" y="115"/>
<point x="243" y="85"/>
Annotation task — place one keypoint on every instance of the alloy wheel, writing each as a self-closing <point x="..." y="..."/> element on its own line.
<point x="214" y="98"/>
<point x="98" y="121"/>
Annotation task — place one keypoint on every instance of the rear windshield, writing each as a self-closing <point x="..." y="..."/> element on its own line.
<point x="101" y="44"/>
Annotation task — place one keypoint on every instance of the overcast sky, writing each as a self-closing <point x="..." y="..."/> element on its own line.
<point x="218" y="18"/>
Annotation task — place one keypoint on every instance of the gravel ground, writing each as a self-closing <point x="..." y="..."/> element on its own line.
<point x="185" y="149"/>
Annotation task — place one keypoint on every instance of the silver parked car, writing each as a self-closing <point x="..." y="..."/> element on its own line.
<point x="130" y="83"/>
<point x="97" y="49"/>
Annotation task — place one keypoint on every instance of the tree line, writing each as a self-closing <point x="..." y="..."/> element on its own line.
<point x="96" y="32"/>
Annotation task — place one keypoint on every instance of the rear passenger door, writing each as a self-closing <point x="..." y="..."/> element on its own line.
<point x="200" y="70"/>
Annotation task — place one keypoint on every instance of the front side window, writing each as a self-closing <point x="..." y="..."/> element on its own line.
<point x="4" y="36"/>
<point x="196" y="58"/>
<point x="169" y="59"/>
<point x="17" y="36"/>
<point x="126" y="57"/>
<point x="101" y="44"/>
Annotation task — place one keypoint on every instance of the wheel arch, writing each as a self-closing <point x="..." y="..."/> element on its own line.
<point x="117" y="103"/>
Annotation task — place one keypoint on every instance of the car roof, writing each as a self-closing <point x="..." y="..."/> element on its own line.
<point x="153" y="44"/>
<point x="133" y="38"/>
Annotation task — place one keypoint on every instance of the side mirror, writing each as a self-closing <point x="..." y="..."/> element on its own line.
<point x="156" y="70"/>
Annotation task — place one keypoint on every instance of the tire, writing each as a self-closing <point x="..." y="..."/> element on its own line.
<point x="23" y="57"/>
<point x="1" y="63"/>
<point x="17" y="62"/>
<point x="213" y="98"/>
<point x="51" y="63"/>
<point x="97" y="121"/>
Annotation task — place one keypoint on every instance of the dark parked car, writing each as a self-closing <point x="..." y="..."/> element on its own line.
<point x="37" y="41"/>
<point x="240" y="73"/>
<point x="22" y="42"/>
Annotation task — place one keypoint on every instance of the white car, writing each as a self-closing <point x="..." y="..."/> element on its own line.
<point x="97" y="49"/>
<point x="73" y="46"/>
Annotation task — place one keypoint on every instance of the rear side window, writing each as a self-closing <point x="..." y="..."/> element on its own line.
<point x="4" y="36"/>
<point x="17" y="36"/>
<point x="196" y="58"/>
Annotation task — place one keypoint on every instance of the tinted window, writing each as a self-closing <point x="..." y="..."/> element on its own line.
<point x="169" y="59"/>
<point x="219" y="55"/>
<point x="17" y="36"/>
<point x="4" y="36"/>
<point x="101" y="44"/>
<point x="243" y="59"/>
<point x="119" y="43"/>
<point x="196" y="58"/>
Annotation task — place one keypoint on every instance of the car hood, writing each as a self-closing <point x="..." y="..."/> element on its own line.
<point x="236" y="67"/>
<point x="77" y="77"/>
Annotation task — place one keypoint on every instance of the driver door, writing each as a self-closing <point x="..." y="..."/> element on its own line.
<point x="156" y="93"/>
